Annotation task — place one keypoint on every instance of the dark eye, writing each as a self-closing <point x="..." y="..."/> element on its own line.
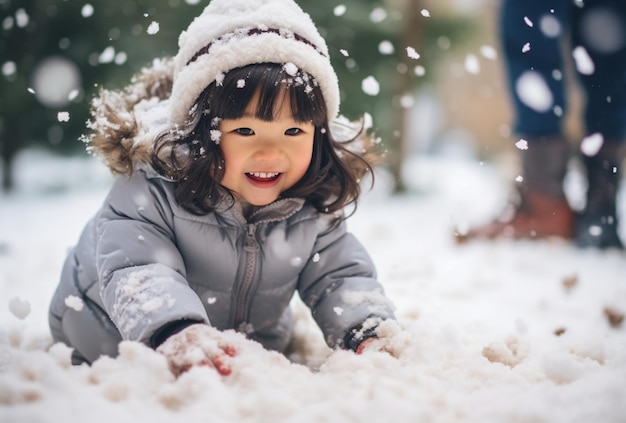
<point x="244" y="131"/>
<point x="293" y="131"/>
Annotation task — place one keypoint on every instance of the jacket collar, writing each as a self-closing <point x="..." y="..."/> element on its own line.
<point x="279" y="210"/>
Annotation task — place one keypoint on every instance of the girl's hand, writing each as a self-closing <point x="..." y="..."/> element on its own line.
<point x="375" y="344"/>
<point x="369" y="343"/>
<point x="197" y="345"/>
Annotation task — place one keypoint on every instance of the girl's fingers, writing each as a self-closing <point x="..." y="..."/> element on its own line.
<point x="363" y="345"/>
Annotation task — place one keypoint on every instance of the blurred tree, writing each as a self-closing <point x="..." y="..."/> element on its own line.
<point x="55" y="54"/>
<point x="396" y="43"/>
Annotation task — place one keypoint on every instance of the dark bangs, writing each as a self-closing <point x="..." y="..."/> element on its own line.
<point x="274" y="84"/>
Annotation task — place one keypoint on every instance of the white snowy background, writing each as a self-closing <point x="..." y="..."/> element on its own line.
<point x="487" y="331"/>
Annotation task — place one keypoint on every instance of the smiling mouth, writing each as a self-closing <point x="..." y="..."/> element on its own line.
<point x="263" y="176"/>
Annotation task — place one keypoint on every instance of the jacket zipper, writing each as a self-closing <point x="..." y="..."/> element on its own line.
<point x="251" y="249"/>
<point x="251" y="252"/>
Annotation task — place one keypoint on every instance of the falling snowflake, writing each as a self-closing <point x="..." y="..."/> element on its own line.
<point x="522" y="144"/>
<point x="528" y="21"/>
<point x="87" y="11"/>
<point x="558" y="110"/>
<point x="472" y="65"/>
<point x="63" y="116"/>
<point x="584" y="64"/>
<point x="9" y="68"/>
<point x="153" y="28"/>
<point x="590" y="146"/>
<point x="386" y="47"/>
<point x="407" y="101"/>
<point x="419" y="70"/>
<point x="489" y="52"/>
<point x="340" y="10"/>
<point x="378" y="15"/>
<point x="107" y="55"/>
<point x="22" y="18"/>
<point x="425" y="13"/>
<point x="370" y="86"/>
<point x="534" y="92"/>
<point x="595" y="230"/>
<point x="550" y="26"/>
<point x="526" y="48"/>
<point x="412" y="53"/>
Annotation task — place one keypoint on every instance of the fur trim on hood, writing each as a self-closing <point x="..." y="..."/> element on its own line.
<point x="124" y="122"/>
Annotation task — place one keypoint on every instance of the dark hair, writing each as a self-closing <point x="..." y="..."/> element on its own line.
<point x="191" y="157"/>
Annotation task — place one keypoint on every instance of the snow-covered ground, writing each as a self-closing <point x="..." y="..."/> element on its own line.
<point x="488" y="332"/>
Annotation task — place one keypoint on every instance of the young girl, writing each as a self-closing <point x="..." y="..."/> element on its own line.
<point x="230" y="199"/>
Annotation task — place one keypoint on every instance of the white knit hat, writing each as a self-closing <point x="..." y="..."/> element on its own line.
<point x="233" y="33"/>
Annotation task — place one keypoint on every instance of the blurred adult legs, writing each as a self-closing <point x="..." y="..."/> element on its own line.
<point x="600" y="27"/>
<point x="532" y="36"/>
<point x="531" y="42"/>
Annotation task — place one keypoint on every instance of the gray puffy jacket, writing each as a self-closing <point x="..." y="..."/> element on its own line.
<point x="143" y="262"/>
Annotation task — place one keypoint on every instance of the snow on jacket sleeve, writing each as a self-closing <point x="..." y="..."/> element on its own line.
<point x="339" y="284"/>
<point x="141" y="271"/>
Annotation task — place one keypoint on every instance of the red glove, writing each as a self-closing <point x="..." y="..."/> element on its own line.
<point x="197" y="345"/>
<point x="365" y="344"/>
<point x="377" y="345"/>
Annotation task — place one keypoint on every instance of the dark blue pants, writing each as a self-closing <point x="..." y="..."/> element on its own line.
<point x="546" y="27"/>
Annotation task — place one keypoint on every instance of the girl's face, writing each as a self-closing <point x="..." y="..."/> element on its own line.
<point x="263" y="159"/>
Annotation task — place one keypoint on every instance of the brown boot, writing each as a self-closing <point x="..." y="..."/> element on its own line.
<point x="542" y="210"/>
<point x="537" y="216"/>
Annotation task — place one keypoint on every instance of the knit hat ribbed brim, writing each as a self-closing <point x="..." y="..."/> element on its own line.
<point x="233" y="33"/>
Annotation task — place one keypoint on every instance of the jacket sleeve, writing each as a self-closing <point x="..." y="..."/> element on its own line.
<point x="141" y="272"/>
<point x="339" y="285"/>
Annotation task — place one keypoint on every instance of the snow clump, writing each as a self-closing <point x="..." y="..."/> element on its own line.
<point x="19" y="308"/>
<point x="291" y="69"/>
<point x="74" y="302"/>
<point x="216" y="135"/>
